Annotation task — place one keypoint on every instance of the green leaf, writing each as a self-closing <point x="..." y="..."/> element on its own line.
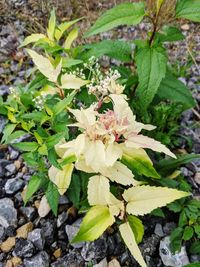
<point x="182" y="219"/>
<point x="74" y="190"/>
<point x="174" y="90"/>
<point x="167" y="166"/>
<point x="52" y="140"/>
<point x="32" y="39"/>
<point x="36" y="116"/>
<point x="61" y="105"/>
<point x="139" y="162"/>
<point x="52" y="196"/>
<point x="33" y="185"/>
<point x="175" y="206"/>
<point x="14" y="136"/>
<point x="52" y="157"/>
<point x="119" y="50"/>
<point x="169" y="34"/>
<point x="69" y="62"/>
<point x="123" y="14"/>
<point x="192" y="265"/>
<point x="96" y="221"/>
<point x="7" y="131"/>
<point x="195" y="247"/>
<point x="26" y="146"/>
<point x="175" y="239"/>
<point x="188" y="9"/>
<point x="197" y="230"/>
<point x="70" y="38"/>
<point x="158" y="213"/>
<point x="188" y="233"/>
<point x="137" y="227"/>
<point x="29" y="158"/>
<point x="151" y="66"/>
<point x="52" y="25"/>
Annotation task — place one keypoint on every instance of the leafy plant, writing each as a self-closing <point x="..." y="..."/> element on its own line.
<point x="78" y="129"/>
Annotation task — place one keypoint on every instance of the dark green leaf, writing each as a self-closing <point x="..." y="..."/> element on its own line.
<point x="182" y="219"/>
<point x="33" y="185"/>
<point x="188" y="9"/>
<point x="151" y="66"/>
<point x="175" y="206"/>
<point x="52" y="140"/>
<point x="175" y="239"/>
<point x="197" y="230"/>
<point x="174" y="90"/>
<point x="52" y="196"/>
<point x="195" y="247"/>
<point x="14" y="136"/>
<point x="74" y="190"/>
<point x="119" y="50"/>
<point x="52" y="157"/>
<point x="188" y="233"/>
<point x="167" y="166"/>
<point x="61" y="105"/>
<point x="158" y="213"/>
<point x="7" y="131"/>
<point x="123" y="14"/>
<point x="169" y="34"/>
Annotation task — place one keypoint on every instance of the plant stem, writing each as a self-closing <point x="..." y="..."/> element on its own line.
<point x="155" y="26"/>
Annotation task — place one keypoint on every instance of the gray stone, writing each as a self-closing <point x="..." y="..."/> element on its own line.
<point x="13" y="185"/>
<point x="11" y="168"/>
<point x="2" y="233"/>
<point x="62" y="218"/>
<point x="14" y="154"/>
<point x="39" y="260"/>
<point x="37" y="238"/>
<point x="8" y="214"/>
<point x="72" y="230"/>
<point x="102" y="263"/>
<point x="168" y="258"/>
<point x="23" y="248"/>
<point x="169" y="227"/>
<point x="28" y="212"/>
<point x="48" y="227"/>
<point x="149" y="245"/>
<point x="63" y="200"/>
<point x="72" y="259"/>
<point x="3" y="121"/>
<point x="158" y="230"/>
<point x="95" y="250"/>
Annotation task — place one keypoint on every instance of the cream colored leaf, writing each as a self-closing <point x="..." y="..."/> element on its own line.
<point x="44" y="66"/>
<point x="119" y="173"/>
<point x="44" y="207"/>
<point x="129" y="239"/>
<point x="115" y="205"/>
<point x="98" y="190"/>
<point x="61" y="178"/>
<point x="70" y="81"/>
<point x="70" y="38"/>
<point x="32" y="39"/>
<point x="143" y="199"/>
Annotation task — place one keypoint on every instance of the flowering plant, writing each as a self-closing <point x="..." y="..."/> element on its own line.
<point x="79" y="125"/>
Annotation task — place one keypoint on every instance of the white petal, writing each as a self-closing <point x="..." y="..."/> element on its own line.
<point x="113" y="153"/>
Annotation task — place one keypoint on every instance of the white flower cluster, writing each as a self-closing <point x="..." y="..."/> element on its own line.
<point x="105" y="85"/>
<point x="78" y="72"/>
<point x="14" y="92"/>
<point x="39" y="101"/>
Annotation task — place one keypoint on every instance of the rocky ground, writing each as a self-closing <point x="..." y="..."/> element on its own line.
<point x="26" y="240"/>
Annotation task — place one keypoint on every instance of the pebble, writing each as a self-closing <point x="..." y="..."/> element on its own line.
<point x="102" y="263"/>
<point x="62" y="218"/>
<point x="168" y="258"/>
<point x="7" y="245"/>
<point x="113" y="263"/>
<point x="48" y="228"/>
<point x="11" y="168"/>
<point x="72" y="259"/>
<point x="23" y="248"/>
<point x="95" y="250"/>
<point x="39" y="260"/>
<point x="37" y="238"/>
<point x="13" y="185"/>
<point x="197" y="178"/>
<point x="57" y="253"/>
<point x="72" y="230"/>
<point x="8" y="214"/>
<point x="14" y="262"/>
<point x="2" y="233"/>
<point x="14" y="154"/>
<point x="3" y="122"/>
<point x="22" y="232"/>
<point x="28" y="212"/>
<point x="159" y="230"/>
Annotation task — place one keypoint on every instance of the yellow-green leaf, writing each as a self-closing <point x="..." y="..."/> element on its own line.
<point x="63" y="27"/>
<point x="137" y="227"/>
<point x="44" y="65"/>
<point x="70" y="81"/>
<point x="143" y="199"/>
<point x="129" y="239"/>
<point x="61" y="178"/>
<point x="158" y="5"/>
<point x="51" y="25"/>
<point x="98" y="190"/>
<point x="33" y="38"/>
<point x="96" y="221"/>
<point x="70" y="38"/>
